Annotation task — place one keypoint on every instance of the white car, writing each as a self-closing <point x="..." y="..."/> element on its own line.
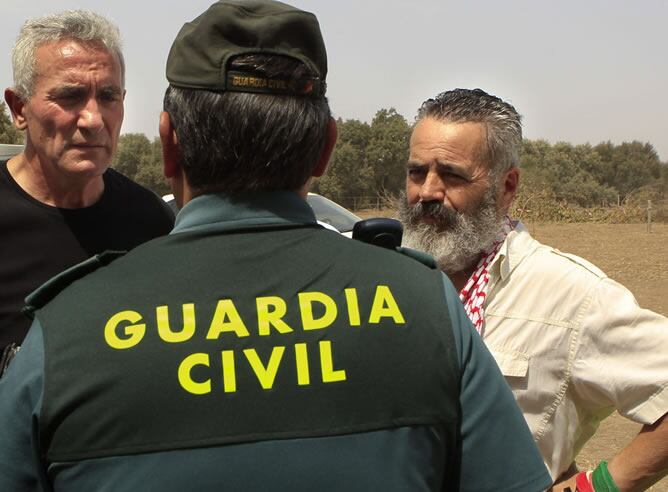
<point x="329" y="214"/>
<point x="332" y="214"/>
<point x="9" y="150"/>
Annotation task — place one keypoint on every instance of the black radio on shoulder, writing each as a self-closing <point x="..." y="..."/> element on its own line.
<point x="380" y="231"/>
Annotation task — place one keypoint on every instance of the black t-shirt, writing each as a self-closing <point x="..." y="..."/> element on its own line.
<point x="38" y="241"/>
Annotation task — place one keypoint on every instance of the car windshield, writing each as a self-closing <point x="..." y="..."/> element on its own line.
<point x="331" y="213"/>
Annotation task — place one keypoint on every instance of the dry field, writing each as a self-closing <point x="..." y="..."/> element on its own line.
<point x="638" y="260"/>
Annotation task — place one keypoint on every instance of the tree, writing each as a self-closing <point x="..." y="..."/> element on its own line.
<point x="387" y="151"/>
<point x="354" y="132"/>
<point x="133" y="149"/>
<point x="141" y="160"/>
<point x="348" y="175"/>
<point x="633" y="165"/>
<point x="9" y="134"/>
<point x="150" y="172"/>
<point x="569" y="173"/>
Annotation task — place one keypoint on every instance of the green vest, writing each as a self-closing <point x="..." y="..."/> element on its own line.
<point x="203" y="338"/>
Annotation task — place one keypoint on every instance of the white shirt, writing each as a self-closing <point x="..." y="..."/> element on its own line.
<point x="573" y="345"/>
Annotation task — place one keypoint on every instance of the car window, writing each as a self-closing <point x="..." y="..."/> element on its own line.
<point x="332" y="213"/>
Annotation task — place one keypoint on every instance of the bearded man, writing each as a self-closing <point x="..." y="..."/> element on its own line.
<point x="572" y="343"/>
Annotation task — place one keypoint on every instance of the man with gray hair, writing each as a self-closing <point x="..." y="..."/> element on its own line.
<point x="572" y="343"/>
<point x="60" y="202"/>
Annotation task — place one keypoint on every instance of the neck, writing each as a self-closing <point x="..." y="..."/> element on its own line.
<point x="459" y="279"/>
<point x="54" y="189"/>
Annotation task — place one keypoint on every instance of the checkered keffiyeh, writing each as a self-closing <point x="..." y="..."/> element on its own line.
<point x="473" y="294"/>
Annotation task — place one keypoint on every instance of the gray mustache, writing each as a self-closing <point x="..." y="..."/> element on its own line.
<point x="437" y="210"/>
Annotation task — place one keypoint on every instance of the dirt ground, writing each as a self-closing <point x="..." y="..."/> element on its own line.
<point x="635" y="258"/>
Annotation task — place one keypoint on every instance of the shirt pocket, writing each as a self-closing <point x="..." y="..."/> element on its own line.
<point x="511" y="362"/>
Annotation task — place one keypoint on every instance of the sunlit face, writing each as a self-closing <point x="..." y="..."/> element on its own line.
<point x="444" y="165"/>
<point x="74" y="115"/>
<point x="450" y="209"/>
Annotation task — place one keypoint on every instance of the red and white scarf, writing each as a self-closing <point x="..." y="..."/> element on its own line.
<point x="473" y="294"/>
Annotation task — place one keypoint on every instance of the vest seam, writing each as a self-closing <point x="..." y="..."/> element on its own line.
<point x="158" y="446"/>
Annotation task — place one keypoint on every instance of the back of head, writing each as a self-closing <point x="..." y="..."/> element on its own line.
<point x="247" y="97"/>
<point x="502" y="122"/>
<point x="81" y="25"/>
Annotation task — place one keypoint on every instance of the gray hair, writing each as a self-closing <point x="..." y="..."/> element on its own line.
<point x="81" y="25"/>
<point x="502" y="122"/>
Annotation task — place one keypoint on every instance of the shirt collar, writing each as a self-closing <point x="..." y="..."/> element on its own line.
<point x="515" y="248"/>
<point x="220" y="211"/>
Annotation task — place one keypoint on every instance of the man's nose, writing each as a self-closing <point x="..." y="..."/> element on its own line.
<point x="432" y="189"/>
<point x="90" y="117"/>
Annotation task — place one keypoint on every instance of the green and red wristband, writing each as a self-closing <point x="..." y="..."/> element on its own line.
<point x="599" y="480"/>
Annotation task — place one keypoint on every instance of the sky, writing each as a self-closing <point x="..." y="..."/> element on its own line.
<point x="577" y="70"/>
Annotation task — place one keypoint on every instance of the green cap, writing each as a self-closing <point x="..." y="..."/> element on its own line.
<point x="200" y="55"/>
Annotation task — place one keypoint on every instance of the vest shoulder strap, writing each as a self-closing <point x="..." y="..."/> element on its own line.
<point x="424" y="258"/>
<point x="52" y="287"/>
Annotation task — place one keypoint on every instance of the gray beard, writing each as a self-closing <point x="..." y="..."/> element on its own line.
<point x="457" y="239"/>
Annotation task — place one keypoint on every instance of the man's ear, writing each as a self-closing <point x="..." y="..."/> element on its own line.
<point x="508" y="189"/>
<point x="327" y="149"/>
<point x="17" y="108"/>
<point x="171" y="159"/>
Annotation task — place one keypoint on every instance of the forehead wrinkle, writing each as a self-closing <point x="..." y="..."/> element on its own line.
<point x="61" y="57"/>
<point x="480" y="155"/>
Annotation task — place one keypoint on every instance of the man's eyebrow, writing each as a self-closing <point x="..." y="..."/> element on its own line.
<point x="110" y="89"/>
<point x="414" y="164"/>
<point x="453" y="168"/>
<point x="67" y="90"/>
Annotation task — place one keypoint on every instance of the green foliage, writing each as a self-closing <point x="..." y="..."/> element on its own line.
<point x="569" y="172"/>
<point x="150" y="172"/>
<point x="369" y="159"/>
<point x="387" y="151"/>
<point x="348" y="174"/>
<point x="134" y="151"/>
<point x="567" y="183"/>
<point x="9" y="134"/>
<point x="354" y="132"/>
<point x="588" y="176"/>
<point x="632" y="166"/>
<point x="559" y="181"/>
<point x="141" y="160"/>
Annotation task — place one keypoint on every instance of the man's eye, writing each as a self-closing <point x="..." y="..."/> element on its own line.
<point x="415" y="172"/>
<point x="453" y="177"/>
<point x="110" y="97"/>
<point x="68" y="97"/>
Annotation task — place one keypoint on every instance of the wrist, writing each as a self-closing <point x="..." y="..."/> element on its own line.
<point x="583" y="482"/>
<point x="598" y="480"/>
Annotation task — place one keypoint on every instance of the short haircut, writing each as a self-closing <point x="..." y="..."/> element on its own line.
<point x="238" y="142"/>
<point x="502" y="122"/>
<point x="80" y="25"/>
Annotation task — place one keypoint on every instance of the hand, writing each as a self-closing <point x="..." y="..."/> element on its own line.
<point x="564" y="484"/>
